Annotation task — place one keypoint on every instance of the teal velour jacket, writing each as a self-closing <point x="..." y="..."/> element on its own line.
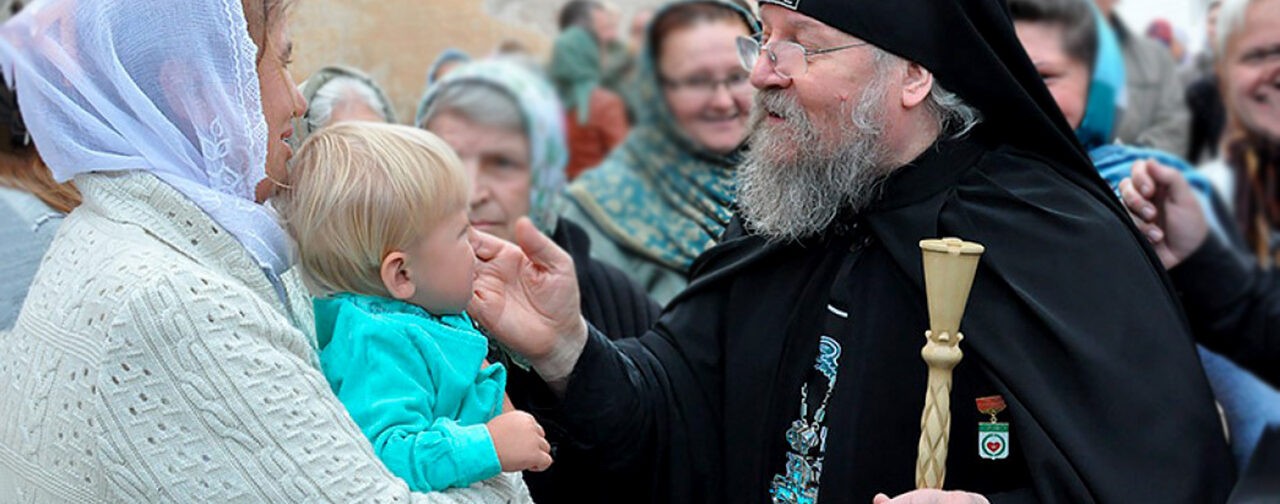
<point x="413" y="383"/>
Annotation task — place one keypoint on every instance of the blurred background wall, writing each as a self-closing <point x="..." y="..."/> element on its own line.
<point x="396" y="40"/>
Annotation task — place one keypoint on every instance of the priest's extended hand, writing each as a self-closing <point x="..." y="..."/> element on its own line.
<point x="932" y="497"/>
<point x="527" y="297"/>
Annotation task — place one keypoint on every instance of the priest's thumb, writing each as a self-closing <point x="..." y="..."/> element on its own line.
<point x="539" y="248"/>
<point x="881" y="499"/>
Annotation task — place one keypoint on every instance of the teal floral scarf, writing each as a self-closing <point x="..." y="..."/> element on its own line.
<point x="660" y="194"/>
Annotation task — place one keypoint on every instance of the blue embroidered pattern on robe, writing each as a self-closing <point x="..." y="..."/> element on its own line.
<point x="798" y="483"/>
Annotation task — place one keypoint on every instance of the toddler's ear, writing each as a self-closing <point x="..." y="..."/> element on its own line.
<point x="395" y="277"/>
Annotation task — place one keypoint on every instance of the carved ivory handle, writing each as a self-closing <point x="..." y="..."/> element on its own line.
<point x="949" y="267"/>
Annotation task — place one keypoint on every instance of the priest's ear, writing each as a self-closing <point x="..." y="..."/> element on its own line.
<point x="917" y="83"/>
<point x="395" y="276"/>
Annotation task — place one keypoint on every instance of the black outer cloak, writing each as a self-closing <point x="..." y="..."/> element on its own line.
<point x="1071" y="319"/>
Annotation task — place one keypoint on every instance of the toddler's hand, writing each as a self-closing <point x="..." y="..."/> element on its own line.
<point x="520" y="442"/>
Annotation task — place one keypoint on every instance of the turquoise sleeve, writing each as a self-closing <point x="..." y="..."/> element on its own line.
<point x="386" y="384"/>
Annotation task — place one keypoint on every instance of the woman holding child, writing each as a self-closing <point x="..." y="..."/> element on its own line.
<point x="166" y="353"/>
<point x="380" y="216"/>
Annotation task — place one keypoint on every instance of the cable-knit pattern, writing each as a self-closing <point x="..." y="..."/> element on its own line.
<point x="153" y="362"/>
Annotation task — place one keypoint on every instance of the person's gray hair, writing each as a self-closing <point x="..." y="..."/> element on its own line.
<point x="1231" y="18"/>
<point x="955" y="117"/>
<point x="342" y="88"/>
<point x="478" y="102"/>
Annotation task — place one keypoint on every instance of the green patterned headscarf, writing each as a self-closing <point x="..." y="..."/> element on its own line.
<point x="575" y="69"/>
<point x="543" y="121"/>
<point x="660" y="194"/>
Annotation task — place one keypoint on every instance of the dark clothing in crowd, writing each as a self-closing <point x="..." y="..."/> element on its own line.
<point x="1234" y="307"/>
<point x="1208" y="119"/>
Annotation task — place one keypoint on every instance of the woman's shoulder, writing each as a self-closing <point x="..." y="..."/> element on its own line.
<point x="97" y="269"/>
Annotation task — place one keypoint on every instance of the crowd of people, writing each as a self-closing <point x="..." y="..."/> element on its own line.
<point x="678" y="262"/>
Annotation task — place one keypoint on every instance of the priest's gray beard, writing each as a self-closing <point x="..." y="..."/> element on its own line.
<point x="795" y="180"/>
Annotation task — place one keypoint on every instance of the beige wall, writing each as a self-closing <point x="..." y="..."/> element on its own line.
<point x="396" y="40"/>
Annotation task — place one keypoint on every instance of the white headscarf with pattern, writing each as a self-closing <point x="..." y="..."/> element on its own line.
<point x="166" y="87"/>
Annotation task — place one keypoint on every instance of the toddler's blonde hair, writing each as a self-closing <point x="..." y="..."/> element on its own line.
<point x="360" y="191"/>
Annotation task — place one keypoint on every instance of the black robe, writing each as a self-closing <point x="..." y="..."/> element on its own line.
<point x="1071" y="318"/>
<point x="1068" y="320"/>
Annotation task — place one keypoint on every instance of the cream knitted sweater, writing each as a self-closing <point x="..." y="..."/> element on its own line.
<point x="153" y="362"/>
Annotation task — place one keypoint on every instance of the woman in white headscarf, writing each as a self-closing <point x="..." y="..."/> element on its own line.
<point x="163" y="353"/>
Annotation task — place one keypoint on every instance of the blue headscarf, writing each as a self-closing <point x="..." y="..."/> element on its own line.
<point x="1106" y="102"/>
<point x="1107" y="96"/>
<point x="449" y="55"/>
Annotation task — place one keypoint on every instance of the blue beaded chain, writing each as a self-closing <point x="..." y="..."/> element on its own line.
<point x="798" y="484"/>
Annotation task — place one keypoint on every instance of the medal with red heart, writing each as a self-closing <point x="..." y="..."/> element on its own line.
<point x="993" y="436"/>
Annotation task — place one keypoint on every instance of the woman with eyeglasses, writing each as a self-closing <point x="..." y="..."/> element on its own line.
<point x="665" y="195"/>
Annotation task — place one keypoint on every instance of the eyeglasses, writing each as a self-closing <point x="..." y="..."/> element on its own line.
<point x="789" y="58"/>
<point x="704" y="86"/>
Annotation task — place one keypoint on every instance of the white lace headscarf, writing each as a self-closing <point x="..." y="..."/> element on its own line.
<point x="167" y="87"/>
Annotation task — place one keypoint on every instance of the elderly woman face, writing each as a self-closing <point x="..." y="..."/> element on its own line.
<point x="1251" y="69"/>
<point x="706" y="88"/>
<point x="281" y="102"/>
<point x="497" y="161"/>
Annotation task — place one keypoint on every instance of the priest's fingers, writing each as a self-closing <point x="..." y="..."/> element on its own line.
<point x="540" y="249"/>
<point x="489" y="294"/>
<point x="487" y="246"/>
